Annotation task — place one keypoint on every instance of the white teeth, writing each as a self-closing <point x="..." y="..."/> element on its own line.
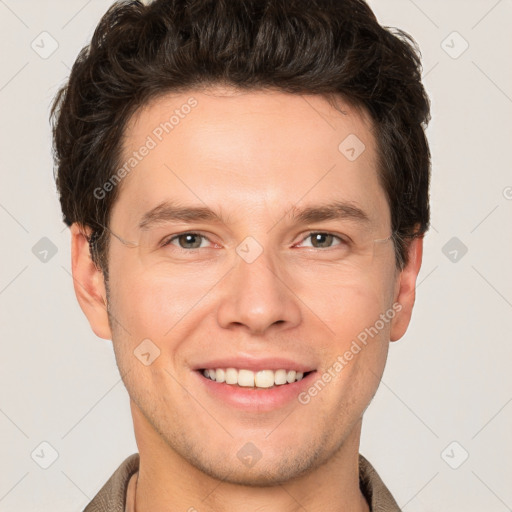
<point x="248" y="378"/>
<point x="264" y="379"/>
<point x="231" y="376"/>
<point x="280" y="377"/>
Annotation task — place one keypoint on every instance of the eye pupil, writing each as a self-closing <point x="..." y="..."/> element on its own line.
<point x="318" y="236"/>
<point x="188" y="239"/>
<point x="193" y="240"/>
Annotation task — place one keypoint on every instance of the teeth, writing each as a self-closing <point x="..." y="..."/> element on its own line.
<point x="231" y="376"/>
<point x="280" y="377"/>
<point x="245" y="378"/>
<point x="263" y="378"/>
<point x="290" y="377"/>
<point x="250" y="379"/>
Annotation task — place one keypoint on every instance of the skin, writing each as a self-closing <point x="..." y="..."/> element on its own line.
<point x="264" y="152"/>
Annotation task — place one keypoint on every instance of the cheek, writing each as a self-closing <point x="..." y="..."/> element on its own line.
<point x="355" y="348"/>
<point x="153" y="303"/>
<point x="346" y="304"/>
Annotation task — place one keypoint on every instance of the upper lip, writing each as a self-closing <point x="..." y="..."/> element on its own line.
<point x="248" y="363"/>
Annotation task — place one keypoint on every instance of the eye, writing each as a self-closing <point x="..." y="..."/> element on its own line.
<point x="186" y="240"/>
<point x="323" y="240"/>
<point x="191" y="241"/>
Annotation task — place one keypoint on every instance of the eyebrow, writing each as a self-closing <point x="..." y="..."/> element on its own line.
<point x="335" y="210"/>
<point x="167" y="211"/>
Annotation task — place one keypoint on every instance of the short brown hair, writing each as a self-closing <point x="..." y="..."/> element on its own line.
<point x="327" y="47"/>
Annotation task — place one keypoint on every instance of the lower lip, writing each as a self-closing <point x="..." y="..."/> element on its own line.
<point x="256" y="399"/>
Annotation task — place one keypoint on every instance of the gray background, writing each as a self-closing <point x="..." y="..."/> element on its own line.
<point x="446" y="393"/>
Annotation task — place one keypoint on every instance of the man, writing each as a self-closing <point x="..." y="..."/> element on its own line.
<point x="246" y="184"/>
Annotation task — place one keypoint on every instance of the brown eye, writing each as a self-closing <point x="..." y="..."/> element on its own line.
<point x="186" y="240"/>
<point x="322" y="240"/>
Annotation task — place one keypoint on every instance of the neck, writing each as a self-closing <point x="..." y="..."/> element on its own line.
<point x="166" y="481"/>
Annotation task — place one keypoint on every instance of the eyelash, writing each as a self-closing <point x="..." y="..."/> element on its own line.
<point x="175" y="237"/>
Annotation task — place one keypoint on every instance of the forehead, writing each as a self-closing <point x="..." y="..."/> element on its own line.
<point x="248" y="151"/>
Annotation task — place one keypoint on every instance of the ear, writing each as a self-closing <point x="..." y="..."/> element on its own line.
<point x="88" y="282"/>
<point x="405" y="292"/>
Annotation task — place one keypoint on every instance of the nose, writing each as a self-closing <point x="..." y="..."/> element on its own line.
<point x="258" y="296"/>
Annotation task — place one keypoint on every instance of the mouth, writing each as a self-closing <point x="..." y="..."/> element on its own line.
<point x="254" y="391"/>
<point x="256" y="380"/>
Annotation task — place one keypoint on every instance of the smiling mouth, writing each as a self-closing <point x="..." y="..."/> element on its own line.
<point x="262" y="379"/>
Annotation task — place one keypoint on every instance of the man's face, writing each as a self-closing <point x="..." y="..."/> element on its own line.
<point x="253" y="291"/>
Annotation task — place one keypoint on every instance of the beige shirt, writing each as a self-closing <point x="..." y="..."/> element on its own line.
<point x="118" y="494"/>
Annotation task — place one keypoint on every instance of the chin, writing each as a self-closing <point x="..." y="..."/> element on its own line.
<point x="274" y="467"/>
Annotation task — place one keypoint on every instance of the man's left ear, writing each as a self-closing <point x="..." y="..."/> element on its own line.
<point x="405" y="293"/>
